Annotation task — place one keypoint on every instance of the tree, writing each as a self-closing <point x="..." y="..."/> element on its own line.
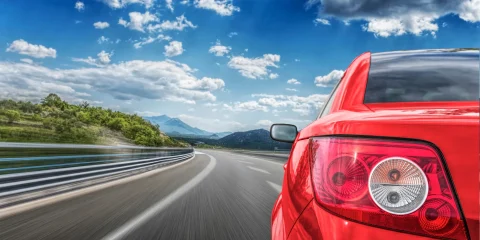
<point x="12" y="115"/>
<point x="53" y="100"/>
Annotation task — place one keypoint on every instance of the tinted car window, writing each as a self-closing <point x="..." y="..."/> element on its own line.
<point x="423" y="76"/>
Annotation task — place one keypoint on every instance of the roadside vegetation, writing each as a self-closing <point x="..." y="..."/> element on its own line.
<point x="56" y="121"/>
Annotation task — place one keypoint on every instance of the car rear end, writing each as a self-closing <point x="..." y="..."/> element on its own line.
<point x="394" y="153"/>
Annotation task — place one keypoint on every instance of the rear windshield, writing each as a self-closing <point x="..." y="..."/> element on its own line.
<point x="423" y="76"/>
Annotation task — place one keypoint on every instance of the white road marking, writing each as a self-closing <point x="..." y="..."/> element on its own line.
<point x="142" y="218"/>
<point x="246" y="162"/>
<point x="277" y="187"/>
<point x="197" y="152"/>
<point x="258" y="169"/>
<point x="279" y="163"/>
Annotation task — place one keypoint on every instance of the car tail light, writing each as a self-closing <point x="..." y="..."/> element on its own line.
<point x="396" y="185"/>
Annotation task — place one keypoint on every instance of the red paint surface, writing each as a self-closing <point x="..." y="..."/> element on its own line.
<point x="452" y="127"/>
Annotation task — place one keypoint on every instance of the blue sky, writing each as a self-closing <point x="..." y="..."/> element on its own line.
<point x="218" y="65"/>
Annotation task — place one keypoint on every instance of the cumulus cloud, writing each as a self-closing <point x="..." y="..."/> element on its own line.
<point x="264" y="123"/>
<point x="254" y="68"/>
<point x="230" y="35"/>
<point x="115" y="4"/>
<point x="395" y="18"/>
<point x="102" y="59"/>
<point x="330" y="79"/>
<point x="212" y="124"/>
<point x="27" y="60"/>
<point x="101" y="25"/>
<point x="103" y="39"/>
<point x="302" y="105"/>
<point x="293" y="81"/>
<point x="138" y="21"/>
<point x="321" y="21"/>
<point x="273" y="75"/>
<point x="169" y="4"/>
<point x="131" y="80"/>
<point x="80" y="6"/>
<point x="245" y="106"/>
<point x="219" y="50"/>
<point x="174" y="48"/>
<point x="37" y="51"/>
<point x="145" y="41"/>
<point x="221" y="7"/>
<point x="179" y="24"/>
<point x="291" y="89"/>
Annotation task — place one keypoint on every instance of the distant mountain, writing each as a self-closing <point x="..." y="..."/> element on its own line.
<point x="176" y="127"/>
<point x="223" y="134"/>
<point x="254" y="139"/>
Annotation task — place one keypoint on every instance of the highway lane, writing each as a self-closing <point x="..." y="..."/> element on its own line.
<point x="225" y="196"/>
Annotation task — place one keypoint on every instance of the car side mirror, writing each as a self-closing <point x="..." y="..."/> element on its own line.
<point x="283" y="132"/>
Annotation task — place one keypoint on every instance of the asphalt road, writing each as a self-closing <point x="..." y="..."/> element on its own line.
<point x="217" y="195"/>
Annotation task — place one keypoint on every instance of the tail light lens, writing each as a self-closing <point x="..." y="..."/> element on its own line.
<point x="389" y="184"/>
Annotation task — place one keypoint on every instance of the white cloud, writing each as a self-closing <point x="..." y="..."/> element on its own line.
<point x="230" y="35"/>
<point x="169" y="4"/>
<point x="174" y="48"/>
<point x="291" y="89"/>
<point x="78" y="21"/>
<point x="219" y="50"/>
<point x="330" y="79"/>
<point x="221" y="7"/>
<point x="179" y="24"/>
<point x="293" y="81"/>
<point x="118" y="40"/>
<point x="179" y="99"/>
<point x="254" y="68"/>
<point x="302" y="105"/>
<point x="211" y="104"/>
<point x="444" y="24"/>
<point x="145" y="41"/>
<point x="115" y="4"/>
<point x="80" y="6"/>
<point x="297" y="60"/>
<point x="212" y="125"/>
<point x="395" y="18"/>
<point x="214" y="110"/>
<point x="470" y="11"/>
<point x="131" y="80"/>
<point x="273" y="75"/>
<point x="37" y="51"/>
<point x="321" y="21"/>
<point x="103" y="58"/>
<point x="245" y="106"/>
<point x="191" y="110"/>
<point x="415" y="24"/>
<point x="138" y="21"/>
<point x="101" y="25"/>
<point x="184" y="2"/>
<point x="27" y="60"/>
<point x="148" y="113"/>
<point x="246" y="49"/>
<point x="264" y="123"/>
<point x="103" y="39"/>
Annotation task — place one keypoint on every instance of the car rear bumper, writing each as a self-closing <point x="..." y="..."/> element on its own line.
<point x="316" y="223"/>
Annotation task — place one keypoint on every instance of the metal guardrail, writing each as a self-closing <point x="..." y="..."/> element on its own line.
<point x="27" y="169"/>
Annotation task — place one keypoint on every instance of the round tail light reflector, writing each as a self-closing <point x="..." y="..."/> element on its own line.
<point x="398" y="185"/>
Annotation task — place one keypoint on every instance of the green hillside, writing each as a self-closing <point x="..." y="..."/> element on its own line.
<point x="56" y="121"/>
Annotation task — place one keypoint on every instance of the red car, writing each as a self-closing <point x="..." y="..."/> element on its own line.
<point x="393" y="154"/>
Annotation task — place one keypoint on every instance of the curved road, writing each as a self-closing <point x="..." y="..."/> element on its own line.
<point x="216" y="195"/>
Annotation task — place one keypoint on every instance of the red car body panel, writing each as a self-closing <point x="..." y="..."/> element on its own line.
<point x="452" y="127"/>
